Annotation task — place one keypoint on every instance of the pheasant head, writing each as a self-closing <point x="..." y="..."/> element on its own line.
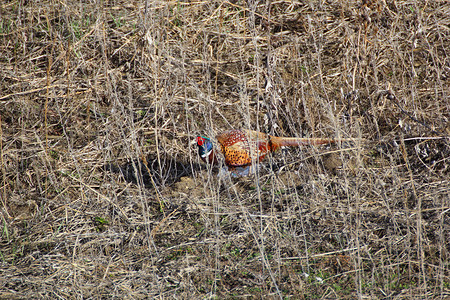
<point x="205" y="149"/>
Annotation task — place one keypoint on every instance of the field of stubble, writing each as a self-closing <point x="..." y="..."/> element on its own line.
<point x="103" y="194"/>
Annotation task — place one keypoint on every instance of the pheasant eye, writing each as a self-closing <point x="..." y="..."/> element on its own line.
<point x="200" y="141"/>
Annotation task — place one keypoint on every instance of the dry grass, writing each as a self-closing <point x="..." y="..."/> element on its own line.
<point x="103" y="196"/>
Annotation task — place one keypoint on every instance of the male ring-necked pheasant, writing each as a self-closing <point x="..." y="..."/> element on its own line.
<point x="242" y="147"/>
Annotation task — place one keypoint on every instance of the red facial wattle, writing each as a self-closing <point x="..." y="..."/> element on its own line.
<point x="200" y="141"/>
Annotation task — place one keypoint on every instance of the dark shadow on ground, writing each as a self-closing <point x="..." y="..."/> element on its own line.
<point x="152" y="171"/>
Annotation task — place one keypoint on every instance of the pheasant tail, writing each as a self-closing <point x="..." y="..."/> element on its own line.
<point x="277" y="142"/>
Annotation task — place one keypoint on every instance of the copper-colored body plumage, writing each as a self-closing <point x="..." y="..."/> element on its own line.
<point x="242" y="147"/>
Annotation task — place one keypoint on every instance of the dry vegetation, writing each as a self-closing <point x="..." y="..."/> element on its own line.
<point x="102" y="194"/>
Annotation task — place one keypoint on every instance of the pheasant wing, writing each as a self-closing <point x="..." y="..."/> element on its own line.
<point x="235" y="148"/>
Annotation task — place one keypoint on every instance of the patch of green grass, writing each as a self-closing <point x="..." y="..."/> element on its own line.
<point x="280" y="192"/>
<point x="252" y="255"/>
<point x="79" y="27"/>
<point x="446" y="284"/>
<point x="100" y="224"/>
<point x="200" y="228"/>
<point x="236" y="252"/>
<point x="254" y="290"/>
<point x="54" y="154"/>
<point x="5" y="26"/>
<point x="117" y="20"/>
<point x="77" y="30"/>
<point x="5" y="231"/>
<point x="175" y="254"/>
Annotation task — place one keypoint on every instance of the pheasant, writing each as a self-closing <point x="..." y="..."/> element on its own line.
<point x="242" y="147"/>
